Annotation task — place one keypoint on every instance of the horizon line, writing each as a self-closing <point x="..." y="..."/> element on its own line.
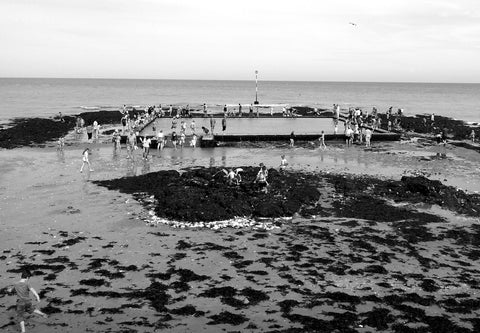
<point x="170" y="79"/>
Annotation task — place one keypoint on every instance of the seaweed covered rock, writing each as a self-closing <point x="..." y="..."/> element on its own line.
<point x="34" y="131"/>
<point x="414" y="189"/>
<point x="422" y="185"/>
<point x="202" y="194"/>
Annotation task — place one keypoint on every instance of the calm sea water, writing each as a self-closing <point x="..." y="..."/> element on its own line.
<point x="25" y="97"/>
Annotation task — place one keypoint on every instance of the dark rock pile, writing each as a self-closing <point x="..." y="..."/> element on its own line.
<point x="422" y="124"/>
<point x="35" y="131"/>
<point x="201" y="194"/>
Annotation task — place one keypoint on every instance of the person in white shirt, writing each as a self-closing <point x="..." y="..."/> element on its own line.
<point x="160" y="140"/>
<point x="146" y="146"/>
<point x="85" y="160"/>
<point x="368" y="137"/>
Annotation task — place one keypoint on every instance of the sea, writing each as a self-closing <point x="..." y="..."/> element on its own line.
<point x="46" y="97"/>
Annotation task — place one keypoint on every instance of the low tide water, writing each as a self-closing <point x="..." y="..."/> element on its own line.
<point x="39" y="97"/>
<point x="242" y="126"/>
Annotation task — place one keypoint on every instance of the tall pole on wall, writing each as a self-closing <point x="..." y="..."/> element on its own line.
<point x="256" y="87"/>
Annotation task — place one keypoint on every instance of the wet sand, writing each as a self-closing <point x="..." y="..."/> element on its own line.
<point x="101" y="265"/>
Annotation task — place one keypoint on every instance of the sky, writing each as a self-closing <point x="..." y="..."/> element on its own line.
<point x="301" y="40"/>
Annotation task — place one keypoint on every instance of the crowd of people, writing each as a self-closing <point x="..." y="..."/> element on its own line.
<point x="359" y="126"/>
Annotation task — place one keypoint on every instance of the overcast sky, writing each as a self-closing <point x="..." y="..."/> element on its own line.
<point x="311" y="40"/>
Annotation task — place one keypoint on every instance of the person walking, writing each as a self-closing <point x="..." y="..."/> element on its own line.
<point x="24" y="303"/>
<point x="85" y="160"/>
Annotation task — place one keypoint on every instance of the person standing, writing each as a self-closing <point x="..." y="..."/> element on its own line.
<point x="174" y="139"/>
<point x="61" y="143"/>
<point x="239" y="110"/>
<point x="160" y="140"/>
<point x="131" y="142"/>
<point x="292" y="139"/>
<point x="193" y="141"/>
<point x="261" y="179"/>
<point x="368" y="137"/>
<point x="124" y="123"/>
<point x="89" y="132"/>
<point x="193" y="126"/>
<point x="96" y="130"/>
<point x="204" y="110"/>
<point x="348" y="136"/>
<point x="24" y="303"/>
<point x="224" y="123"/>
<point x="472" y="136"/>
<point x="182" y="140"/>
<point x="322" y="141"/>
<point x="212" y="123"/>
<point x="283" y="163"/>
<point x="183" y="126"/>
<point x="116" y="140"/>
<point x="146" y="146"/>
<point x="174" y="122"/>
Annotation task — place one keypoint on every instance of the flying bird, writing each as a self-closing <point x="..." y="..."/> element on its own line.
<point x="351" y="23"/>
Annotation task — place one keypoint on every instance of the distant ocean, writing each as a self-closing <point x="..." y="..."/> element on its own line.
<point x="36" y="97"/>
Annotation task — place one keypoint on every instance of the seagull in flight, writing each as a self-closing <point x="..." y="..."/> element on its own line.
<point x="351" y="23"/>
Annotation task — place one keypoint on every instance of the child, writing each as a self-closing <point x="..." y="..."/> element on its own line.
<point x="182" y="139"/>
<point x="193" y="126"/>
<point x="193" y="142"/>
<point x="261" y="178"/>
<point x="85" y="159"/>
<point x="61" y="143"/>
<point x="174" y="140"/>
<point x="322" y="141"/>
<point x="24" y="303"/>
<point x="283" y="163"/>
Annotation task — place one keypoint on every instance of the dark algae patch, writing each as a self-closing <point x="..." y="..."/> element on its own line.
<point x="201" y="194"/>
<point x="35" y="131"/>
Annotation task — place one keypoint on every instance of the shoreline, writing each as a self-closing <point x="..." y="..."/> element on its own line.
<point x="38" y="131"/>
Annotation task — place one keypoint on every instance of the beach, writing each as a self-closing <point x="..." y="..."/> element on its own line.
<point x="361" y="255"/>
